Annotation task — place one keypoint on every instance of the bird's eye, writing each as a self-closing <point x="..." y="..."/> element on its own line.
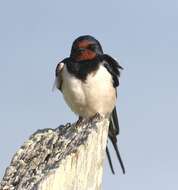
<point x="91" y="47"/>
<point x="82" y="49"/>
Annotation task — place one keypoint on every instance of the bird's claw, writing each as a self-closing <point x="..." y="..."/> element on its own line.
<point x="80" y="121"/>
<point x="95" y="118"/>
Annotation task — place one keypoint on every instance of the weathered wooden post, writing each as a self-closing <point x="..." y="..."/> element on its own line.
<point x="67" y="158"/>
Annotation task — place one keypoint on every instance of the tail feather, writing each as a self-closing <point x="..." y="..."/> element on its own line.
<point x="113" y="132"/>
<point x="109" y="159"/>
<point x="118" y="156"/>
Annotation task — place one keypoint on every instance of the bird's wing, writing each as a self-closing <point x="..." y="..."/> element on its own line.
<point x="58" y="78"/>
<point x="113" y="68"/>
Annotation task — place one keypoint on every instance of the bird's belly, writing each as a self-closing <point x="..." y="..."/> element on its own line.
<point x="94" y="95"/>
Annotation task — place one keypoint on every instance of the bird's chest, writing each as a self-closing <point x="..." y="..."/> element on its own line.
<point x="90" y="94"/>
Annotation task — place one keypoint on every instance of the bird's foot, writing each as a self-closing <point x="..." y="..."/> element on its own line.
<point x="80" y="121"/>
<point x="95" y="118"/>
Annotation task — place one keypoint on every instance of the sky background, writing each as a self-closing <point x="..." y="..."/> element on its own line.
<point x="35" y="35"/>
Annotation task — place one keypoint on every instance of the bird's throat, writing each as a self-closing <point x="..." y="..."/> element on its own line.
<point x="81" y="69"/>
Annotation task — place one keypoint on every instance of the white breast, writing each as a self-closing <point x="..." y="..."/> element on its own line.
<point x="95" y="94"/>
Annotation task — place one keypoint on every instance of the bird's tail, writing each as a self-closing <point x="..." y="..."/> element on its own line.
<point x="113" y="132"/>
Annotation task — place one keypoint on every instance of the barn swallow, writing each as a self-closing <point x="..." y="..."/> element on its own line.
<point x="88" y="79"/>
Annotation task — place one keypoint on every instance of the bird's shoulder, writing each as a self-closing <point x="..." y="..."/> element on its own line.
<point x="60" y="66"/>
<point x="113" y="68"/>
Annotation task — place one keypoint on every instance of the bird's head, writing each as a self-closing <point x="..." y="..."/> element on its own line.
<point x="85" y="48"/>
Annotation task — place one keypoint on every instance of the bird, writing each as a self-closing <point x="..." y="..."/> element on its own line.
<point x="88" y="80"/>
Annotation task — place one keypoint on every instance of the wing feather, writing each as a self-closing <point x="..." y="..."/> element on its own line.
<point x="58" y="79"/>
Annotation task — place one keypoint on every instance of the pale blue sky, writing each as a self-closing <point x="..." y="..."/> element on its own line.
<point x="143" y="35"/>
